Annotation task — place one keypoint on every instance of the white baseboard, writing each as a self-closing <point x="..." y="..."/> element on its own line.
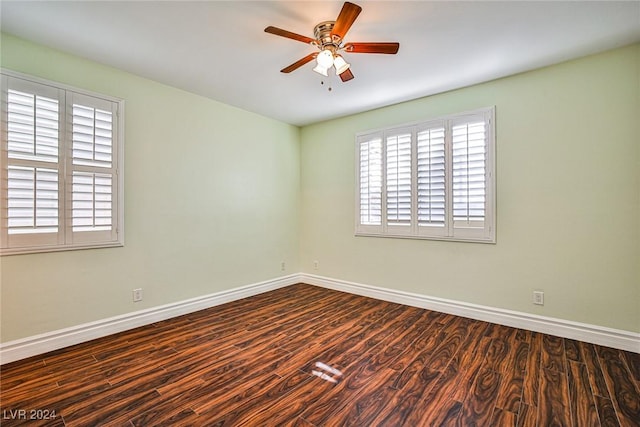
<point x="616" y="338"/>
<point x="43" y="343"/>
<point x="39" y="344"/>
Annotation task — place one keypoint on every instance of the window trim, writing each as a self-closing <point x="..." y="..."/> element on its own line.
<point x="484" y="235"/>
<point x="64" y="148"/>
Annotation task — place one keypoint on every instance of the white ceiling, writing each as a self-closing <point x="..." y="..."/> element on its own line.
<point x="218" y="49"/>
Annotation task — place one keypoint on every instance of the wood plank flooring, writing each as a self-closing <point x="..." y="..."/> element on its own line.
<point x="307" y="356"/>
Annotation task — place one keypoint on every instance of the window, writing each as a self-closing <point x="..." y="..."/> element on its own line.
<point x="431" y="180"/>
<point x="61" y="153"/>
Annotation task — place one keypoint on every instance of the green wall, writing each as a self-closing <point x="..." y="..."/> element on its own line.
<point x="216" y="197"/>
<point x="568" y="197"/>
<point x="211" y="203"/>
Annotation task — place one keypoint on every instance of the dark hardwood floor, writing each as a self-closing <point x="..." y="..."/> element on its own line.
<point x="307" y="356"/>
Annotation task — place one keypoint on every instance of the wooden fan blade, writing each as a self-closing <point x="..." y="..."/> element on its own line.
<point x="347" y="16"/>
<point x="288" y="34"/>
<point x="346" y="75"/>
<point x="390" y="48"/>
<point x="299" y="63"/>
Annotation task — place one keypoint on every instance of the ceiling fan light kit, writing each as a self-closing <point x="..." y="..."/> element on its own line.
<point x="328" y="39"/>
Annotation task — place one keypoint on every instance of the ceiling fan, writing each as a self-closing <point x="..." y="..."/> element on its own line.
<point x="329" y="37"/>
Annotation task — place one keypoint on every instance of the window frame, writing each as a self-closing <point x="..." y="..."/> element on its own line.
<point x="64" y="239"/>
<point x="450" y="231"/>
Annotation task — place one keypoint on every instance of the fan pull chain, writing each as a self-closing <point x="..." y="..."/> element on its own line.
<point x="329" y="87"/>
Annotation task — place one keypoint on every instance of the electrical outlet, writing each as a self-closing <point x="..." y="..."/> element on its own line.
<point x="538" y="297"/>
<point x="316" y="264"/>
<point x="137" y="295"/>
<point x="282" y="266"/>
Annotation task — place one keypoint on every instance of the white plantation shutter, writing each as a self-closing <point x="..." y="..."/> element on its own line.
<point x="398" y="179"/>
<point x="431" y="177"/>
<point x="438" y="180"/>
<point x="92" y="135"/>
<point x="32" y="200"/>
<point x="60" y="181"/>
<point x="92" y="202"/>
<point x="32" y="126"/>
<point x="90" y="169"/>
<point x="370" y="180"/>
<point x="469" y="174"/>
<point x="31" y="191"/>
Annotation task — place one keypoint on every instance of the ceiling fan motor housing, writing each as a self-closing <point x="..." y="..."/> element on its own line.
<point x="322" y="32"/>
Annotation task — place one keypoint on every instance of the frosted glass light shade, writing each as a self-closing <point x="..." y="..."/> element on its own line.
<point x="325" y="59"/>
<point x="340" y="64"/>
<point x="321" y="70"/>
